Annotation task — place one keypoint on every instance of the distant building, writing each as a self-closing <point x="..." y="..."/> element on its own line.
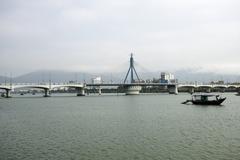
<point x="217" y="82"/>
<point x="138" y="81"/>
<point x="97" y="80"/>
<point x="72" y="81"/>
<point x="167" y="78"/>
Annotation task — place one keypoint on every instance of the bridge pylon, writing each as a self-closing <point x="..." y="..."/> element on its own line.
<point x="131" y="70"/>
<point x="130" y="89"/>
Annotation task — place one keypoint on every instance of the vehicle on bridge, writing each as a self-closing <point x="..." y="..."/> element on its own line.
<point x="206" y="99"/>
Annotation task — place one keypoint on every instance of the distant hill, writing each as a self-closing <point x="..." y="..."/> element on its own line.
<point x="4" y="79"/>
<point x="60" y="76"/>
<point x="192" y="76"/>
<point x="65" y="76"/>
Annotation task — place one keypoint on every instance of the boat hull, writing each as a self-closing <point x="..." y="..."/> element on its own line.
<point x="215" y="102"/>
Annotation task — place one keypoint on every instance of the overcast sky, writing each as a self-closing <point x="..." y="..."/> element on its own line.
<point x="98" y="35"/>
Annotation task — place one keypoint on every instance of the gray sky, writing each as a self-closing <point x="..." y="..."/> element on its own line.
<point x="98" y="35"/>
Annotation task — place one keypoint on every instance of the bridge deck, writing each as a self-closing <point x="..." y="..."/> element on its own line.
<point x="130" y="84"/>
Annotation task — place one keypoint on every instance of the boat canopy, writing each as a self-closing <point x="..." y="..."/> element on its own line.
<point x="205" y="94"/>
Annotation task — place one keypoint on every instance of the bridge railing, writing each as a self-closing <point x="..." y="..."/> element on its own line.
<point x="207" y="85"/>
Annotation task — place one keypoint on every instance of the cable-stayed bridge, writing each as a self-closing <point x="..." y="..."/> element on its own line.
<point x="132" y="88"/>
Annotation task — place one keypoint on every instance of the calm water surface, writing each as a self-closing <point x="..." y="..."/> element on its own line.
<point x="118" y="127"/>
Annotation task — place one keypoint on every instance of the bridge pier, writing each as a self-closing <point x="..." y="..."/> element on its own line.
<point x="173" y="89"/>
<point x="46" y="93"/>
<point x="222" y="90"/>
<point x="99" y="90"/>
<point x="238" y="90"/>
<point x="8" y="93"/>
<point x="208" y="90"/>
<point x="191" y="90"/>
<point x="80" y="91"/>
<point x="133" y="90"/>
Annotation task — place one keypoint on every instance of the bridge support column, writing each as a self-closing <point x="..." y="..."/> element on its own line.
<point x="208" y="90"/>
<point x="132" y="90"/>
<point x="173" y="89"/>
<point x="191" y="90"/>
<point x="238" y="90"/>
<point x="8" y="93"/>
<point x="99" y="90"/>
<point x="46" y="93"/>
<point x="222" y="90"/>
<point x="80" y="91"/>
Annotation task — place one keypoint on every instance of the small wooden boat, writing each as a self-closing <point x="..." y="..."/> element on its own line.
<point x="206" y="99"/>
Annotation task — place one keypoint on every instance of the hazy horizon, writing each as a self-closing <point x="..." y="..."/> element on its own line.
<point x="58" y="76"/>
<point x="98" y="36"/>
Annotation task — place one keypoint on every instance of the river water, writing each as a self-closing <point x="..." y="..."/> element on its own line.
<point x="152" y="126"/>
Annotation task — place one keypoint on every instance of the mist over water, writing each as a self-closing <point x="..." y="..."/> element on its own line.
<point x="151" y="126"/>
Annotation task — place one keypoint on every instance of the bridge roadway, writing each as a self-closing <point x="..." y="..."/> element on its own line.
<point x="131" y="84"/>
<point x="208" y="87"/>
<point x="131" y="88"/>
<point x="173" y="87"/>
<point x="179" y="85"/>
<point x="46" y="87"/>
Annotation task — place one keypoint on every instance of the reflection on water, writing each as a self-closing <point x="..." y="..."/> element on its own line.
<point x="155" y="126"/>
